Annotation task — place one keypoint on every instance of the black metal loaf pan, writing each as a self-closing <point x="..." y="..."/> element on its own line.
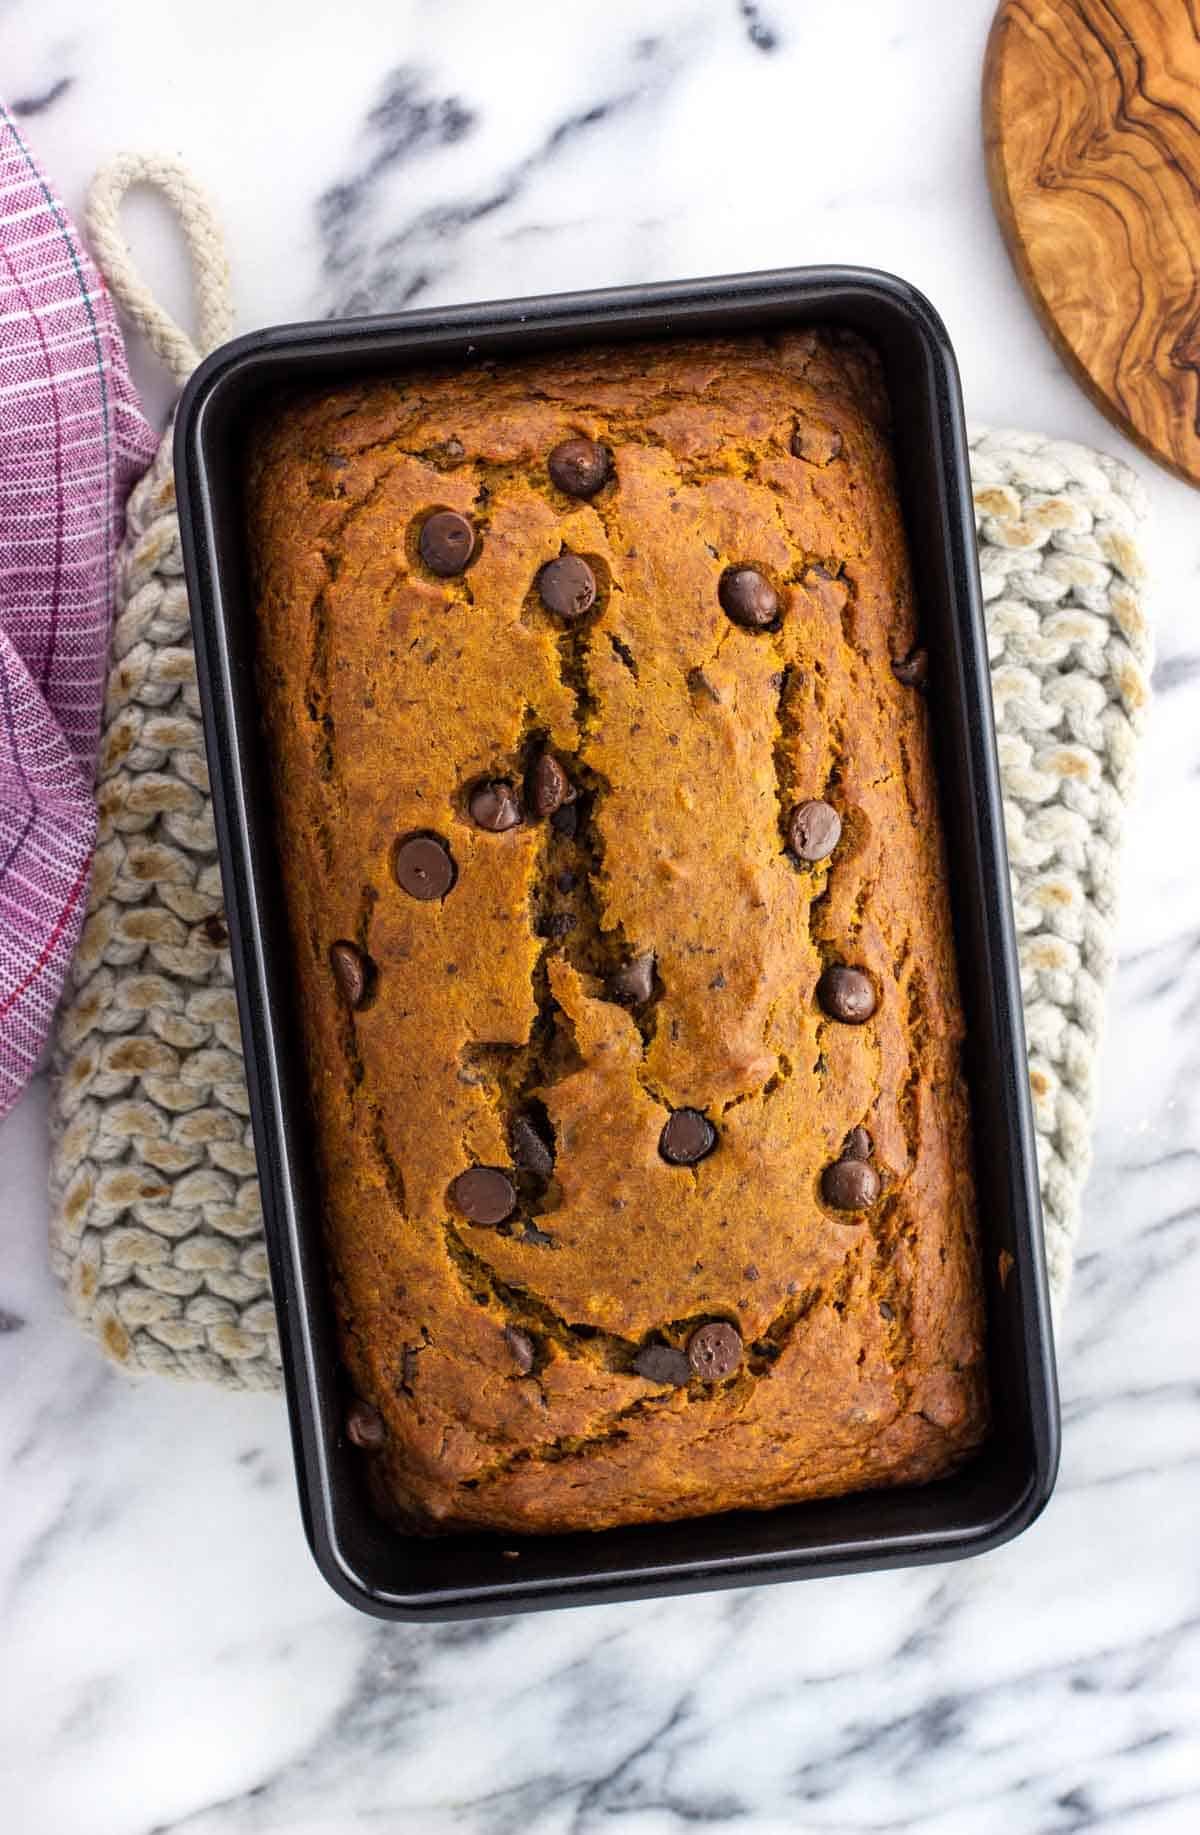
<point x="1003" y="1489"/>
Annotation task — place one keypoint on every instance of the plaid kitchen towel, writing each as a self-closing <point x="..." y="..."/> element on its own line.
<point x="72" y="440"/>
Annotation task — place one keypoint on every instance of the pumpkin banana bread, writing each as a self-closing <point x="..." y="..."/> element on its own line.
<point x="613" y="867"/>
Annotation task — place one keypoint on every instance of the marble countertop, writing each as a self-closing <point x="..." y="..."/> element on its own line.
<point x="172" y="1660"/>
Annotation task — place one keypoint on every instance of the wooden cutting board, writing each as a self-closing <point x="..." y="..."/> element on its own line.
<point x="1091" y="115"/>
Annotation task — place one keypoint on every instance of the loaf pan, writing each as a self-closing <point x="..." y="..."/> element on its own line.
<point x="1003" y="1489"/>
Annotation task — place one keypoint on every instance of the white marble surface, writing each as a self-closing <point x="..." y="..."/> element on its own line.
<point x="171" y="1659"/>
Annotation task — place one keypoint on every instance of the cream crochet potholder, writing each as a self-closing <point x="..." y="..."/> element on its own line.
<point x="156" y="1222"/>
<point x="157" y="1228"/>
<point x="1070" y="653"/>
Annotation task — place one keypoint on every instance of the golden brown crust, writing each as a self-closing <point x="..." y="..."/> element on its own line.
<point x="388" y="692"/>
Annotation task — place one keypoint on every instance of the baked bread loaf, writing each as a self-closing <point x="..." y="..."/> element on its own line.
<point x="613" y="867"/>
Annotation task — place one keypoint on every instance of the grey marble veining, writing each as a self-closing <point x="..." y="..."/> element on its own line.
<point x="171" y="1660"/>
<point x="380" y="252"/>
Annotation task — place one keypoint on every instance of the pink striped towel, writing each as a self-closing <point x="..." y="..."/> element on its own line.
<point x="72" y="440"/>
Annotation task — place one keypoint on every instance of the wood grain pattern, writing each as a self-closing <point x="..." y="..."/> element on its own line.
<point x="1092" y="132"/>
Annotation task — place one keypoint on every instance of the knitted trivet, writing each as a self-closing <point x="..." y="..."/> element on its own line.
<point x="157" y="1227"/>
<point x="1070" y="654"/>
<point x="156" y="1219"/>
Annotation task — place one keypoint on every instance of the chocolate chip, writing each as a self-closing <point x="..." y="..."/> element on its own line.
<point x="484" y="1195"/>
<point x="424" y="866"/>
<point x="214" y="929"/>
<point x="364" y="1425"/>
<point x="814" y="830"/>
<point x="567" y="587"/>
<point x="578" y="467"/>
<point x="850" y="1185"/>
<point x="494" y="806"/>
<point x="530" y="1152"/>
<point x="539" y="1238"/>
<point x="913" y="669"/>
<point x="446" y="542"/>
<point x="565" y="821"/>
<point x="886" y="1312"/>
<point x="750" y="1273"/>
<point x="687" y="1137"/>
<point x="660" y="1363"/>
<point x="549" y="786"/>
<point x="847" y="994"/>
<point x="557" y="924"/>
<point x="715" y="1351"/>
<point x="521" y="1346"/>
<point x="748" y="597"/>
<point x="350" y="971"/>
<point x="857" y="1145"/>
<point x="634" y="983"/>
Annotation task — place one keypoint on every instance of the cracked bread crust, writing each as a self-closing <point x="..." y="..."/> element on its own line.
<point x="388" y="693"/>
